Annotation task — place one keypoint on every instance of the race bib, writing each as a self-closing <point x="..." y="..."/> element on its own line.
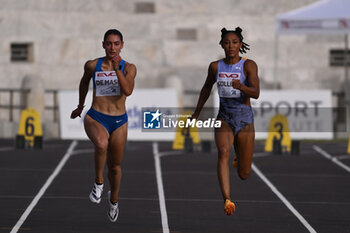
<point x="225" y="87"/>
<point x="107" y="83"/>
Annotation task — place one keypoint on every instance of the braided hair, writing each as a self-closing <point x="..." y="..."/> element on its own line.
<point x="238" y="33"/>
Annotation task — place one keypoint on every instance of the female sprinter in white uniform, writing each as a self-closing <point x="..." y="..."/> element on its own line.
<point x="106" y="121"/>
<point x="237" y="81"/>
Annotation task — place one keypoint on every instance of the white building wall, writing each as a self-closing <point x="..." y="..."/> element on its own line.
<point x="67" y="33"/>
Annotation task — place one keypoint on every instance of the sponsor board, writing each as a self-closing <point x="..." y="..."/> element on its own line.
<point x="140" y="98"/>
<point x="309" y="112"/>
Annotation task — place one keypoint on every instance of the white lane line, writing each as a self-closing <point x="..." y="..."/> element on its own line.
<point x="83" y="151"/>
<point x="44" y="188"/>
<point x="261" y="154"/>
<point x="331" y="158"/>
<point x="6" y="148"/>
<point x="166" y="153"/>
<point x="283" y="199"/>
<point x="178" y="200"/>
<point x="163" y="212"/>
<point x="343" y="157"/>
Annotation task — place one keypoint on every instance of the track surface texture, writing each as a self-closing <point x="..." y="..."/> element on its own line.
<point x="46" y="191"/>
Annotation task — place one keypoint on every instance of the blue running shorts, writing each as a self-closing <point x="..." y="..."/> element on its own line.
<point x="111" y="123"/>
<point x="237" y="117"/>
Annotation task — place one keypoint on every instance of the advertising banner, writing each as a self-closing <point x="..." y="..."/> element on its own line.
<point x="140" y="98"/>
<point x="309" y="112"/>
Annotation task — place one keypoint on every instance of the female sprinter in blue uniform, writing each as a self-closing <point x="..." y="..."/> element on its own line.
<point x="237" y="81"/>
<point x="106" y="121"/>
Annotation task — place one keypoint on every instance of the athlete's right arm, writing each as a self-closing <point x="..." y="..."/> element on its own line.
<point x="206" y="89"/>
<point x="83" y="88"/>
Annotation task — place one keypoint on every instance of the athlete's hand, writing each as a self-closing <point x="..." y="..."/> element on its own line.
<point x="76" y="113"/>
<point x="116" y="61"/>
<point x="236" y="84"/>
<point x="193" y="116"/>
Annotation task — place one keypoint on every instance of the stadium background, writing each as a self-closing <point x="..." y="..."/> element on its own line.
<point x="171" y="42"/>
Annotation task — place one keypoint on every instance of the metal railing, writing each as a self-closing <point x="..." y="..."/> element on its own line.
<point x="12" y="106"/>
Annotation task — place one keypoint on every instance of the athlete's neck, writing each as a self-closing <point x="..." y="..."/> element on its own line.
<point x="232" y="60"/>
<point x="108" y="60"/>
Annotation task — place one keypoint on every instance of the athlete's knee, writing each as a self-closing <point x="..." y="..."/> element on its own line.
<point x="244" y="174"/>
<point x="223" y="152"/>
<point x="101" y="145"/>
<point x="115" y="169"/>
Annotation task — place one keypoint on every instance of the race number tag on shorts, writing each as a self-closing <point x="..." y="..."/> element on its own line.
<point x="107" y="83"/>
<point x="225" y="87"/>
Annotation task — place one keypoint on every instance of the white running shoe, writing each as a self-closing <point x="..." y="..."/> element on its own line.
<point x="113" y="210"/>
<point x="96" y="193"/>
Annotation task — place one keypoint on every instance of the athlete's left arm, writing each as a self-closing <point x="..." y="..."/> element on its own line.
<point x="127" y="81"/>
<point x="251" y="72"/>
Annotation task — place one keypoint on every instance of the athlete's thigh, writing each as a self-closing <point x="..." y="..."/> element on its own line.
<point x="244" y="146"/>
<point x="95" y="131"/>
<point x="117" y="143"/>
<point x="224" y="137"/>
